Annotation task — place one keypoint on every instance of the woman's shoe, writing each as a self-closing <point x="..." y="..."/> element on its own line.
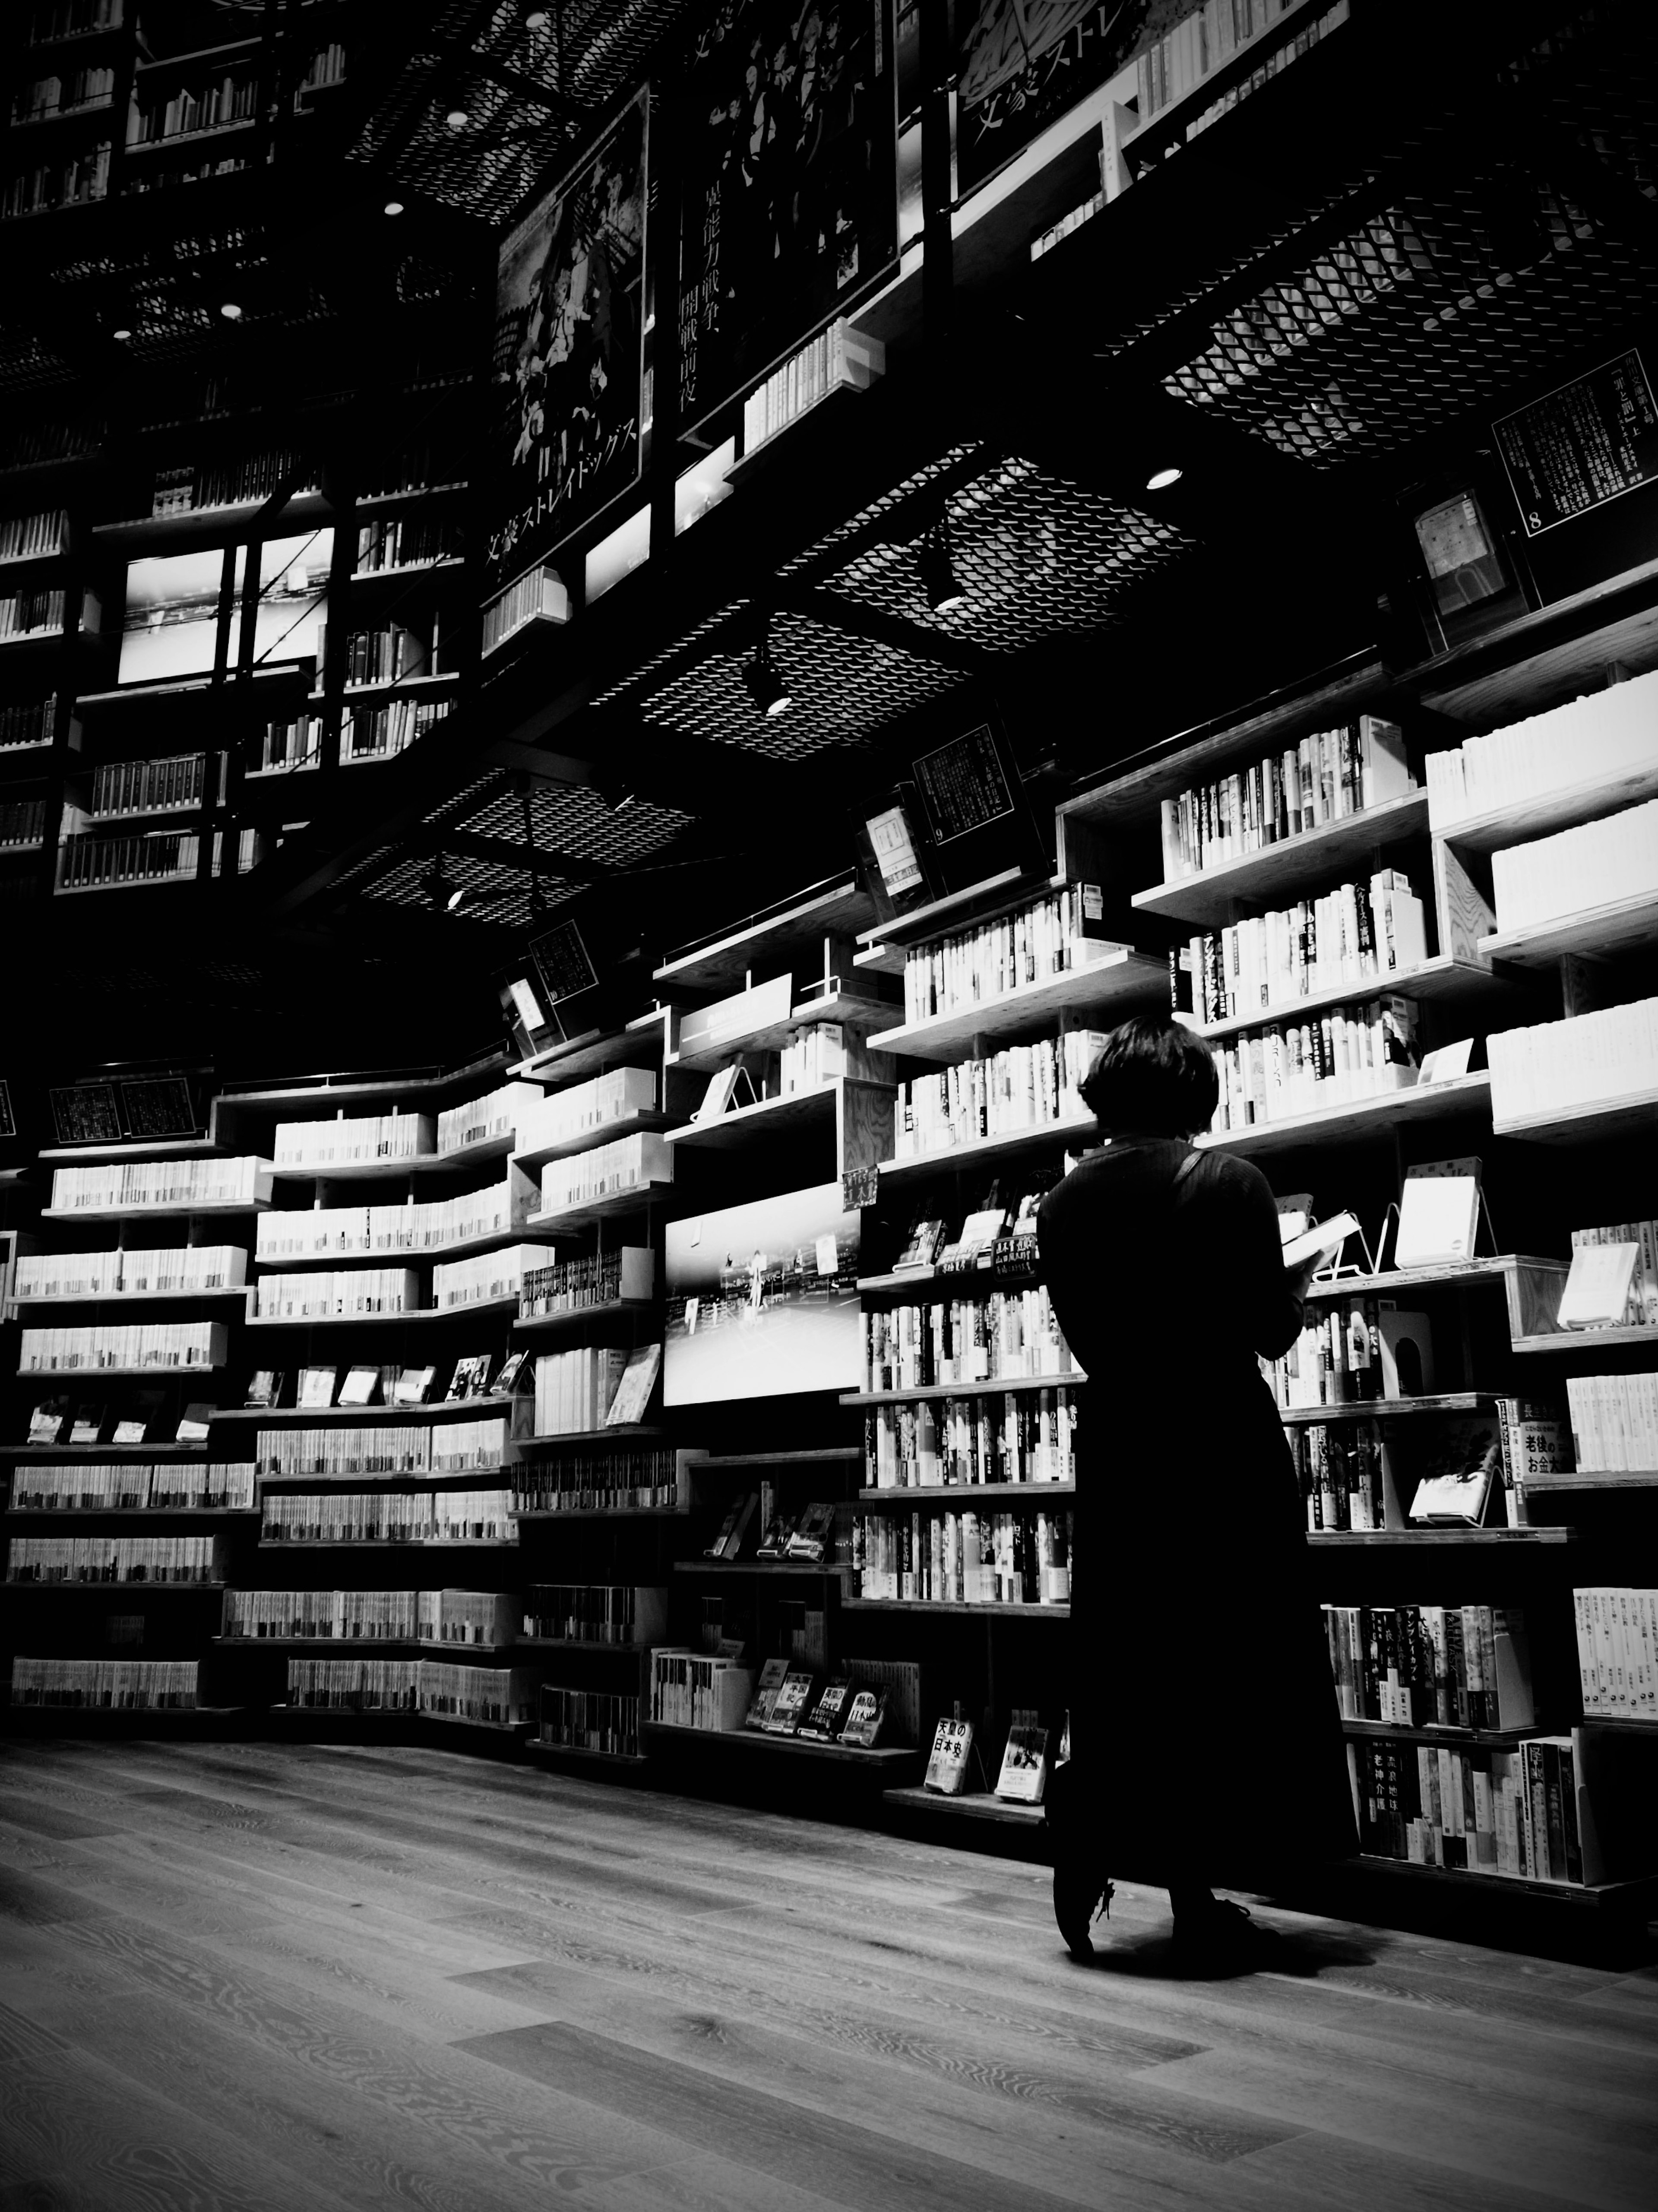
<point x="1081" y="1893"/>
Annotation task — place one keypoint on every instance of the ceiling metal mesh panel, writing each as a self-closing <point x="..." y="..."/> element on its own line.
<point x="1037" y="558"/>
<point x="845" y="689"/>
<point x="1416" y="319"/>
<point x="574" y="822"/>
<point x="960" y="464"/>
<point x="502" y="893"/>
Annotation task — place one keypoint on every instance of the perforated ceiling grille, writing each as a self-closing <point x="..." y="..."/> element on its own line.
<point x="1417" y="319"/>
<point x="502" y="893"/>
<point x="845" y="689"/>
<point x="1035" y="557"/>
<point x="958" y="465"/>
<point x="579" y="824"/>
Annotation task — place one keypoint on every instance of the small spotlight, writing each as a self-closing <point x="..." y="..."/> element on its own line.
<point x="122" y="335"/>
<point x="616" y="794"/>
<point x="766" y="688"/>
<point x="536" y="19"/>
<point x="458" y="119"/>
<point x="939" y="578"/>
<point x="1160" y="479"/>
<point x="393" y="207"/>
<point x="444" y="895"/>
<point x="231" y="312"/>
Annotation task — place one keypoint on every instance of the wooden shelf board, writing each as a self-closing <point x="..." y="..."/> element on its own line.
<point x="1363" y="1731"/>
<point x="881" y="1757"/>
<point x="601" y="1513"/>
<point x="640" y="1043"/>
<point x="1206" y="900"/>
<point x="836" y="907"/>
<point x="1597" y="1478"/>
<point x="243" y="1291"/>
<point x="630" y="1432"/>
<point x="1616" y="1895"/>
<point x="50" y="1453"/>
<point x="861" y="1013"/>
<point x="949" y="1605"/>
<point x="1411" y="1539"/>
<point x="965" y="1493"/>
<point x="1006" y="888"/>
<point x="115" y="1589"/>
<point x="213" y="524"/>
<point x="974" y="1804"/>
<point x="506" y="1304"/>
<point x="574" y="1217"/>
<point x="1358" y="1117"/>
<point x="384" y="1544"/>
<point x="1117" y="980"/>
<point x="1085" y="1130"/>
<point x="1492" y="1270"/>
<point x="632" y="1650"/>
<point x="420" y="1164"/>
<point x="467" y="1720"/>
<point x="295" y="1263"/>
<point x="364" y="1416"/>
<point x="167" y="1513"/>
<point x="826" y="1454"/>
<point x="1585" y="1124"/>
<point x="987" y="1389"/>
<point x="770" y="1117"/>
<point x="1622" y="1723"/>
<point x="150" y="1212"/>
<point x="397" y="1485"/>
<point x="787" y="1569"/>
<point x="1384" y="1409"/>
<point x="552" y="1324"/>
<point x="1586" y="1339"/>
<point x="43" y="1377"/>
<point x="163" y="1148"/>
<point x="1623" y="925"/>
<point x="582" y="1751"/>
<point x="536" y="1156"/>
<point x="1442" y="977"/>
<point x="1563" y="808"/>
<point x="350" y="1087"/>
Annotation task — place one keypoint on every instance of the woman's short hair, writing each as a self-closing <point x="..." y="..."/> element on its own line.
<point x="1154" y="1076"/>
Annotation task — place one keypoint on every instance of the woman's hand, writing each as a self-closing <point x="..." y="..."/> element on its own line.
<point x="1298" y="1281"/>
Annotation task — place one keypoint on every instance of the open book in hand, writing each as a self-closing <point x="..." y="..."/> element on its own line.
<point x="1322" y="1243"/>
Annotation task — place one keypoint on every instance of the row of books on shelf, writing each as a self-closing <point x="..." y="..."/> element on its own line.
<point x="63" y="93"/>
<point x="132" y="1485"/>
<point x="28" y="614"/>
<point x="106" y="1684"/>
<point x="354" y="1139"/>
<point x="1350" y="1351"/>
<point x="113" y="1559"/>
<point x="134" y="1186"/>
<point x="381" y="1516"/>
<point x="1597" y="864"/>
<point x="594" y="1613"/>
<point x="89" y="863"/>
<point x="152" y="1272"/>
<point x="194" y="1344"/>
<point x="1209" y="35"/>
<point x="381" y="732"/>
<point x="1361" y="931"/>
<point x="1288" y="1068"/>
<point x="405" y="542"/>
<point x="151" y="786"/>
<point x="601" y="1722"/>
<point x="998" y="1336"/>
<point x="415" y="1225"/>
<point x="978" y="965"/>
<point x="1028" y="1436"/>
<point x="1325" y="776"/>
<point x="841" y="357"/>
<point x="1585" y="1061"/>
<point x="74" y="179"/>
<point x="1601" y="735"/>
<point x="144" y="1418"/>
<point x="1432" y="1666"/>
<point x="1617" y="1651"/>
<point x="493" y="1114"/>
<point x="594" y="1387"/>
<point x="602" y="1279"/>
<point x="24" y="536"/>
<point x="26" y="721"/>
<point x="502" y="1697"/>
<point x="558" y="1117"/>
<point x="818" y="1533"/>
<point x="285" y="747"/>
<point x="378" y="1449"/>
<point x="473" y="1374"/>
<point x="437" y="1616"/>
<point x="22" y="824"/>
<point x="1519" y="1813"/>
<point x="391" y="655"/>
<point x="50" y="20"/>
<point x="627" y="1164"/>
<point x="538" y="595"/>
<point x="1026" y="1086"/>
<point x="235" y="481"/>
<point x="1614" y="1283"/>
<point x="210" y="104"/>
<point x="822" y="1053"/>
<point x="963" y="1558"/>
<point x="1614" y="1421"/>
<point x="1022" y="1775"/>
<point x="353" y="1291"/>
<point x="599" y="1482"/>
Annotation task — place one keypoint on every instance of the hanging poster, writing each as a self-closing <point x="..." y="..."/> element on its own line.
<point x="569" y="350"/>
<point x="1580" y="445"/>
<point x="1021" y="63"/>
<point x="790" y="210"/>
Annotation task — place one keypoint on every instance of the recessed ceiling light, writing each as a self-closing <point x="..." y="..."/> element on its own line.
<point x="458" y="119"/>
<point x="536" y="19"/>
<point x="394" y="207"/>
<point x="122" y="335"/>
<point x="231" y="312"/>
<point x="1160" y="479"/>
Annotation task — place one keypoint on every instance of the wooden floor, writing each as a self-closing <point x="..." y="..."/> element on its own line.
<point x="298" y="1976"/>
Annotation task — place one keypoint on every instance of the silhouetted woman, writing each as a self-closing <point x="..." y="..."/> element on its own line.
<point x="1205" y="1740"/>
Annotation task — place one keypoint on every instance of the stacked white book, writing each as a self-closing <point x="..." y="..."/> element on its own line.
<point x="497" y="1114"/>
<point x="315" y="1232"/>
<point x="1617" y="1651"/>
<point x="627" y="1164"/>
<point x="485" y="1276"/>
<point x="109" y="1685"/>
<point x="482" y="1618"/>
<point x="134" y="1186"/>
<point x="573" y="1390"/>
<point x="353" y="1686"/>
<point x="68" y="1274"/>
<point x="340" y="1454"/>
<point x="977" y="966"/>
<point x="465" y="1447"/>
<point x="1588" y="1059"/>
<point x="1620" y="1261"/>
<point x="839" y="357"/>
<point x="179" y="1269"/>
<point x="818" y="1055"/>
<point x="354" y="1141"/>
<point x="1598" y="863"/>
<point x="1325" y="776"/>
<point x="349" y="1290"/>
<point x="472" y="1516"/>
<point x="195" y="1344"/>
<point x="321" y="1616"/>
<point x="502" y="1697"/>
<point x="346" y="1517"/>
<point x="110" y="1559"/>
<point x="696" y="1690"/>
<point x="1614" y="1422"/>
<point x="1337" y="1055"/>
<point x="587" y="1108"/>
<point x="1027" y="1086"/>
<point x="1592" y="739"/>
<point x="174" y="1486"/>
